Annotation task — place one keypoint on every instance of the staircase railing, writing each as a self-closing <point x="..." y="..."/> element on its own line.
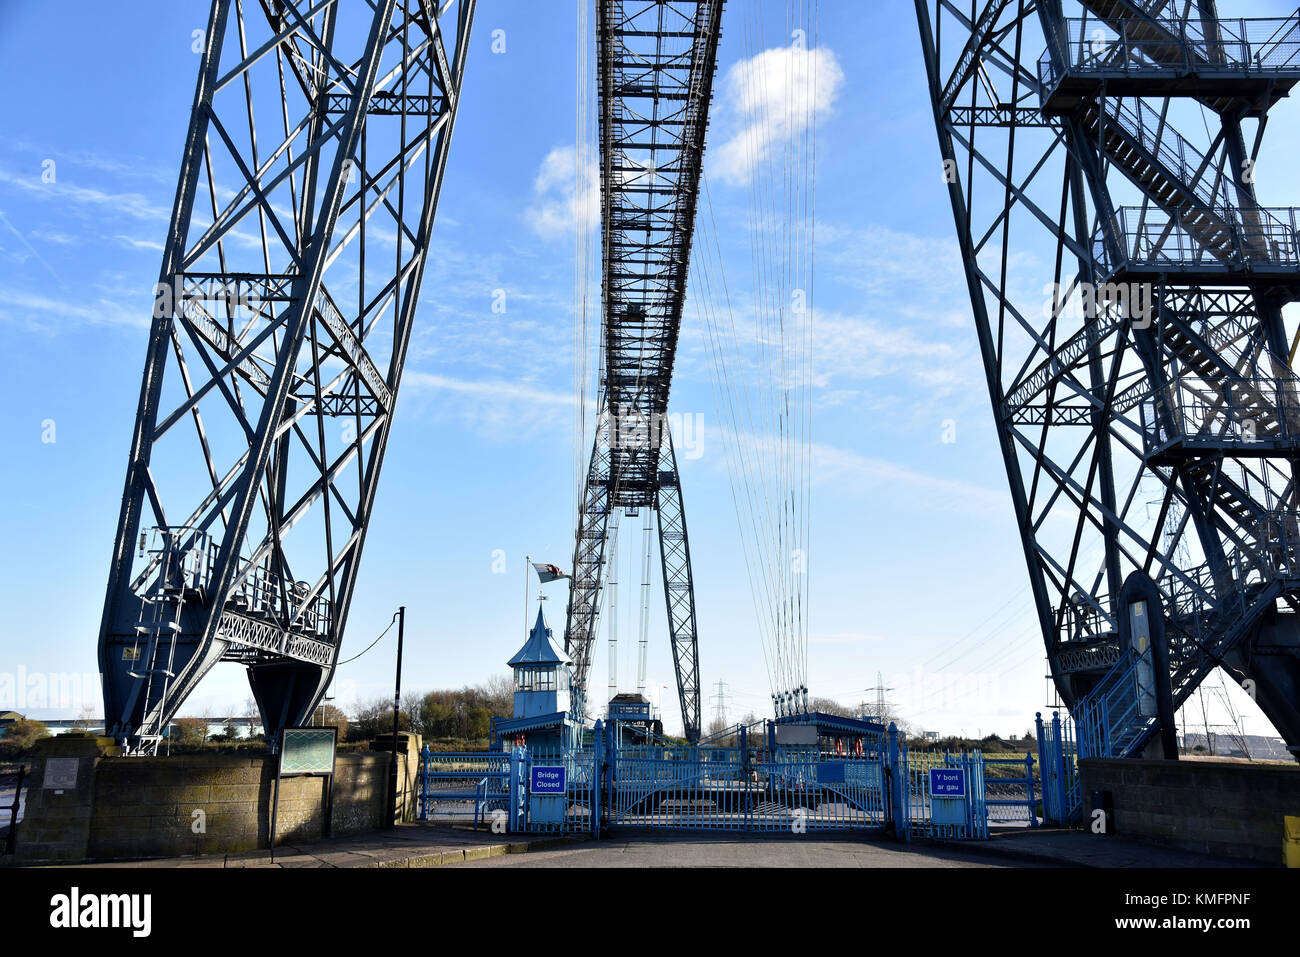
<point x="1114" y="718"/>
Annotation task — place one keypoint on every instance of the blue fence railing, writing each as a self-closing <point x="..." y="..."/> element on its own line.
<point x="1009" y="790"/>
<point x="743" y="788"/>
<point x="462" y="787"/>
<point x="1057" y="759"/>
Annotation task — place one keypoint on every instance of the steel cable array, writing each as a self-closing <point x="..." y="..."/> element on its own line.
<point x="762" y="378"/>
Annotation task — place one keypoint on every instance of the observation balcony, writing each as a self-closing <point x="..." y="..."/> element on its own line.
<point x="1246" y="418"/>
<point x="1256" y="61"/>
<point x="1204" y="244"/>
<point x="263" y="616"/>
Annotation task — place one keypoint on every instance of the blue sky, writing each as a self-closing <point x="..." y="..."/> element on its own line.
<point x="916" y="572"/>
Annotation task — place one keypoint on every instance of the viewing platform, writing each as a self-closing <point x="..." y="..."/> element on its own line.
<point x="1256" y="418"/>
<point x="1255" y="60"/>
<point x="1255" y="247"/>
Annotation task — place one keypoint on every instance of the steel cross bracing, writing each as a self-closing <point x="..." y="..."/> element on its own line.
<point x="1139" y="375"/>
<point x="656" y="61"/>
<point x="291" y="269"/>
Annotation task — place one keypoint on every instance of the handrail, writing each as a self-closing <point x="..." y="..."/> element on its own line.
<point x="1215" y="235"/>
<point x="1248" y="46"/>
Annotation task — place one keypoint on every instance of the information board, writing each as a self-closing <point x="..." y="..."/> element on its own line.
<point x="308" y="751"/>
<point x="60" y="773"/>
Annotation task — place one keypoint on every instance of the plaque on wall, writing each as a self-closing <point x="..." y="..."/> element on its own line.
<point x="60" y="773"/>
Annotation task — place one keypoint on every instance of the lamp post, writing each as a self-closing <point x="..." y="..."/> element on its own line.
<point x="397" y="698"/>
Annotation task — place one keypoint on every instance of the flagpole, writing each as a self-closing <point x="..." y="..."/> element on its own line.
<point x="528" y="560"/>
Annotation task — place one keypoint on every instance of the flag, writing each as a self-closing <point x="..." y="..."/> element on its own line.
<point x="549" y="573"/>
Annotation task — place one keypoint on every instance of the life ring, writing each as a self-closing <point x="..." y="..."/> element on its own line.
<point x="857" y="747"/>
<point x="839" y="746"/>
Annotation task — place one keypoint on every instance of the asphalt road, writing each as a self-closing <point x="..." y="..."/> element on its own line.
<point x="695" y="850"/>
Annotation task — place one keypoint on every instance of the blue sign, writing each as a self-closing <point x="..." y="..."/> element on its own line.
<point x="548" y="780"/>
<point x="947" y="782"/>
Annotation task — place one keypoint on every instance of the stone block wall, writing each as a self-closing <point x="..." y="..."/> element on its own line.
<point x="134" y="807"/>
<point x="1224" y="808"/>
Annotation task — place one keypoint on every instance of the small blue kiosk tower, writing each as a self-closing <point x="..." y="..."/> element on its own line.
<point x="543" y="719"/>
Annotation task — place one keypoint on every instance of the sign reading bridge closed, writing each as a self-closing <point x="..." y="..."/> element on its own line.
<point x="547" y="780"/>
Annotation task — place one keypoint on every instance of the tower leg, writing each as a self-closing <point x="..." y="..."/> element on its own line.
<point x="679" y="588"/>
<point x="588" y="561"/>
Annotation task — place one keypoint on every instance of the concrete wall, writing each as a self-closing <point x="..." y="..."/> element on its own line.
<point x="120" y="808"/>
<point x="1225" y="808"/>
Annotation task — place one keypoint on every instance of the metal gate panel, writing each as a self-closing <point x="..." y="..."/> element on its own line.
<point x="919" y="814"/>
<point x="463" y="787"/>
<point x="693" y="788"/>
<point x="793" y="789"/>
<point x="570" y="813"/>
<point x="1009" y="792"/>
<point x="800" y="789"/>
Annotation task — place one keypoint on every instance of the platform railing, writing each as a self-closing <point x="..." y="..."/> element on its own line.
<point x="1140" y="47"/>
<point x="258" y="593"/>
<point x="1245" y="412"/>
<point x="1218" y="236"/>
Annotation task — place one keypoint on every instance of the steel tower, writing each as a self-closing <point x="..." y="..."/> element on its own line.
<point x="1127" y="288"/>
<point x="656" y="61"/>
<point x="291" y="269"/>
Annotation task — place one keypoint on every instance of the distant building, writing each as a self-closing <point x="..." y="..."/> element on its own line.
<point x="244" y="727"/>
<point x="1258" y="747"/>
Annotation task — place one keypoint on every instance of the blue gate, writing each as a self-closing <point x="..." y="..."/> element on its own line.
<point x="477" y="788"/>
<point x="746" y="789"/>
<point x="787" y="788"/>
<point x="1057" y="756"/>
<point x="939" y="795"/>
<point x="463" y="787"/>
<point x="1009" y="790"/>
<point x="561" y="790"/>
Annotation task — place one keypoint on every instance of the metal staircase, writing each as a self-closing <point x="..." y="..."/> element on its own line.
<point x="1153" y="212"/>
<point x="183" y="564"/>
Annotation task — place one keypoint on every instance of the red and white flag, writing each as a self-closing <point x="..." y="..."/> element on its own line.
<point x="549" y="573"/>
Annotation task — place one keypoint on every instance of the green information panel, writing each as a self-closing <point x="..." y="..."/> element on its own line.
<point x="308" y="751"/>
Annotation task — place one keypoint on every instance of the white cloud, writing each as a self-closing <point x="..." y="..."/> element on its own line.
<point x="774" y="95"/>
<point x="139" y="243"/>
<point x="567" y="193"/>
<point x="497" y="391"/>
<point x="130" y="204"/>
<point x="43" y="312"/>
<point x="759" y="454"/>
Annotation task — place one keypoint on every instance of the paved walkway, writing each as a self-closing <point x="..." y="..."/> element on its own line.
<point x="429" y="845"/>
<point x="407" y="845"/>
<point x="666" y="848"/>
<point x="1059" y="847"/>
